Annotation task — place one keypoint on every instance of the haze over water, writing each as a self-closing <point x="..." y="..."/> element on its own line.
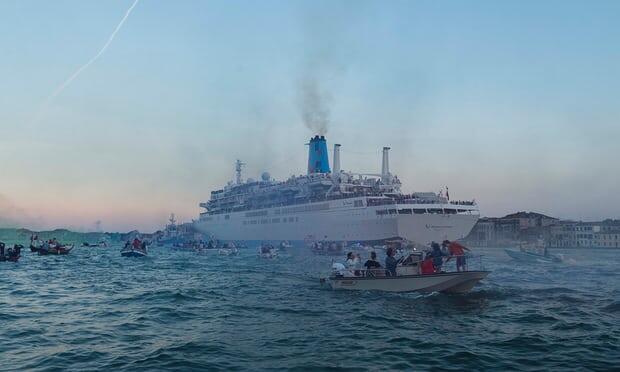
<point x="176" y="310"/>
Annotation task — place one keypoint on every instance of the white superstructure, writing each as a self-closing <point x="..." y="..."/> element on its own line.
<point x="334" y="206"/>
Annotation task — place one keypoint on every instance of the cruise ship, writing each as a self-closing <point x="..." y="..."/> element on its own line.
<point x="330" y="204"/>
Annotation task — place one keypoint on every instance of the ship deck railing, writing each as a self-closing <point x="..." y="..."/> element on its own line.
<point x="382" y="200"/>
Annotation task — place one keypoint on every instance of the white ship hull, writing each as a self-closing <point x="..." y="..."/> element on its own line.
<point x="339" y="220"/>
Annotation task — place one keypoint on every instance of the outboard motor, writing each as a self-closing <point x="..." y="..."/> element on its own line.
<point x="318" y="160"/>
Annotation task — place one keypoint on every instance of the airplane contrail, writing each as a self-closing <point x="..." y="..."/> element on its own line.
<point x="66" y="83"/>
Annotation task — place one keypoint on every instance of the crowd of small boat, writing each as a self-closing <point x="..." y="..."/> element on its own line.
<point x="405" y="268"/>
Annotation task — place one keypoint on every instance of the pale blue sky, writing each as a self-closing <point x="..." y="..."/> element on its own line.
<point x="514" y="103"/>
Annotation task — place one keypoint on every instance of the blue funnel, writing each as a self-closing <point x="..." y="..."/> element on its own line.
<point x="318" y="162"/>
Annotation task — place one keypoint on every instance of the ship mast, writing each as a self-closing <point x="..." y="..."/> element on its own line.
<point x="238" y="165"/>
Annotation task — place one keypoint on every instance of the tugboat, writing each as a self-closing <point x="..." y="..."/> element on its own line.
<point x="409" y="276"/>
<point x="136" y="249"/>
<point x="171" y="234"/>
<point x="12" y="254"/>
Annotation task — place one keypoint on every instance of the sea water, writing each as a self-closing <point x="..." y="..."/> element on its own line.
<point x="182" y="310"/>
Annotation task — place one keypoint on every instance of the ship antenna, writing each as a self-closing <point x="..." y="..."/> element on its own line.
<point x="238" y="165"/>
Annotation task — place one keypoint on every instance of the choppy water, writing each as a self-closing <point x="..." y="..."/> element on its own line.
<point x="94" y="310"/>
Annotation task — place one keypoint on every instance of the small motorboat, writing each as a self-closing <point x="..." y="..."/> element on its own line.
<point x="285" y="246"/>
<point x="54" y="249"/>
<point x="533" y="257"/>
<point x="228" y="249"/>
<point x="11" y="254"/>
<point x="408" y="278"/>
<point x="267" y="251"/>
<point x="131" y="251"/>
<point x="102" y="244"/>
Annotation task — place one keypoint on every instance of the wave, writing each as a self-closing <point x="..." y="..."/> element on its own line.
<point x="613" y="307"/>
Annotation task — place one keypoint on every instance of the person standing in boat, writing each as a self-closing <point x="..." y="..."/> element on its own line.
<point x="457" y="250"/>
<point x="136" y="243"/>
<point x="390" y="262"/>
<point x="438" y="256"/>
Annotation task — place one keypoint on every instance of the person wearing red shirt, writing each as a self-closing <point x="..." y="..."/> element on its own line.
<point x="457" y="250"/>
<point x="427" y="265"/>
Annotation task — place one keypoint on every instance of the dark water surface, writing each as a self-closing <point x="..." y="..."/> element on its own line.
<point x="94" y="310"/>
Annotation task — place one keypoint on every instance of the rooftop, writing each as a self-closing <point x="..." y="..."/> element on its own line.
<point x="524" y="214"/>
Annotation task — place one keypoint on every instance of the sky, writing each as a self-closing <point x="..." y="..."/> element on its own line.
<point x="515" y="104"/>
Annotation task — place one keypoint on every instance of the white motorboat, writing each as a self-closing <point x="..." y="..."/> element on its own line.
<point x="532" y="257"/>
<point x="533" y="252"/>
<point x="228" y="249"/>
<point x="408" y="278"/>
<point x="267" y="251"/>
<point x="285" y="245"/>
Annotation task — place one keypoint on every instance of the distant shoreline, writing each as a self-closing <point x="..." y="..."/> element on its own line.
<point x="551" y="248"/>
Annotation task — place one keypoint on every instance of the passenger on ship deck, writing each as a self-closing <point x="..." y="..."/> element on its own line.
<point x="390" y="262"/>
<point x="458" y="250"/>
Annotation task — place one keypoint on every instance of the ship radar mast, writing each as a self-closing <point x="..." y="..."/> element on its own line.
<point x="238" y="166"/>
